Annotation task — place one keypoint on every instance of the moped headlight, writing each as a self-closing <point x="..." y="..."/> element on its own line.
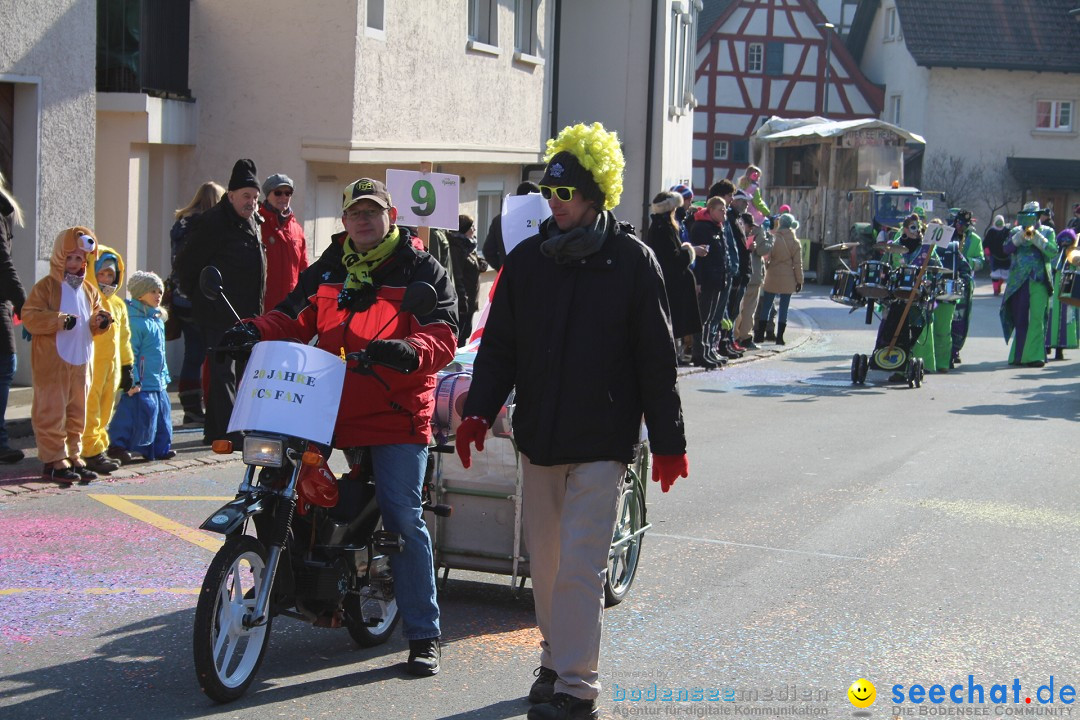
<point x="264" y="451"/>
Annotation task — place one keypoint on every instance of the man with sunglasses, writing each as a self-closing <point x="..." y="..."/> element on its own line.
<point x="283" y="240"/>
<point x="579" y="324"/>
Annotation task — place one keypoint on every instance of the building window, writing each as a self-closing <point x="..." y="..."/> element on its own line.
<point x="754" y="55"/>
<point x="484" y="22"/>
<point x="525" y="39"/>
<point x="720" y="150"/>
<point x="681" y="59"/>
<point x="376" y="19"/>
<point x="1055" y="115"/>
<point x="894" y="109"/>
<point x="741" y="151"/>
<point x="892" y="25"/>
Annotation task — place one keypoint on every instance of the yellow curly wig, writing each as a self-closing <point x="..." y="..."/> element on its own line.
<point x="599" y="152"/>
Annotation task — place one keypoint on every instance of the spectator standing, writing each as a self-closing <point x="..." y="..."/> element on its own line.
<point x="283" y="240"/>
<point x="675" y="258"/>
<point x="994" y="247"/>
<point x="12" y="297"/>
<point x="750" y="183"/>
<point x="179" y="304"/>
<point x="467" y="268"/>
<point x="227" y="237"/>
<point x="579" y="324"/>
<point x="686" y="195"/>
<point x="494" y="249"/>
<point x="112" y="364"/>
<point x="760" y="245"/>
<point x="711" y="270"/>
<point x="783" y="276"/>
<point x="143" y="420"/>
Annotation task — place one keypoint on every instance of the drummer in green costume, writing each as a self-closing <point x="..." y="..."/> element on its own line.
<point x="1061" y="329"/>
<point x="919" y="317"/>
<point x="971" y="246"/>
<point x="1027" y="294"/>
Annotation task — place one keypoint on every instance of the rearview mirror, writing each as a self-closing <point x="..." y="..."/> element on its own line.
<point x="420" y="298"/>
<point x="210" y="282"/>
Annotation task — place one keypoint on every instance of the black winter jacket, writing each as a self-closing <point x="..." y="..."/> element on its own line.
<point x="675" y="260"/>
<point x="712" y="269"/>
<point x="221" y="238"/>
<point x="12" y="294"/>
<point x="588" y="346"/>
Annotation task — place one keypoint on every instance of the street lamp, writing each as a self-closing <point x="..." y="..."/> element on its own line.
<point x="828" y="28"/>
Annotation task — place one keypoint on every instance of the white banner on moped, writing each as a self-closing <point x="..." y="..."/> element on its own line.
<point x="290" y="389"/>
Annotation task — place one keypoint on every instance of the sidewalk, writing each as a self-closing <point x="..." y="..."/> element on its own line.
<point x="25" y="475"/>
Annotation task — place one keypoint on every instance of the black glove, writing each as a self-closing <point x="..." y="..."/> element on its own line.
<point x="798" y="287"/>
<point x="240" y="334"/>
<point x="69" y="322"/>
<point x="127" y="378"/>
<point x="396" y="354"/>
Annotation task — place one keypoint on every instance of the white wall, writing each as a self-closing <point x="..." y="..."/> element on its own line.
<point x="48" y="51"/>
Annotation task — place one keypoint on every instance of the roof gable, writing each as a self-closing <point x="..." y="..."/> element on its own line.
<point x="712" y="11"/>
<point x="1037" y="35"/>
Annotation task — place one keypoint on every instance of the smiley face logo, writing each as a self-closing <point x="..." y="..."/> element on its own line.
<point x="862" y="693"/>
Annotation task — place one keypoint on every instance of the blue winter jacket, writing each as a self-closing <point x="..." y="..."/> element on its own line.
<point x="148" y="344"/>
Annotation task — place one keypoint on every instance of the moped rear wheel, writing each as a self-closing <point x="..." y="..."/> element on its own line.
<point x="228" y="654"/>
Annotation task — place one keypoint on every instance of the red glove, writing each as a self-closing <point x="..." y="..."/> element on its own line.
<point x="666" y="469"/>
<point x="472" y="430"/>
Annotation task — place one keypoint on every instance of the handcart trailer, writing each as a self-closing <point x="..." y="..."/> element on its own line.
<point x="484" y="531"/>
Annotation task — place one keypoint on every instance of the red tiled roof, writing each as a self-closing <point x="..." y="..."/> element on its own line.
<point x="1035" y="35"/>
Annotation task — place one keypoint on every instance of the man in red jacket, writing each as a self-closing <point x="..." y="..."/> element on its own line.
<point x="283" y="239"/>
<point x="349" y="298"/>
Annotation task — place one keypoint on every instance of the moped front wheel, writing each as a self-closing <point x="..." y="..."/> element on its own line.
<point x="228" y="654"/>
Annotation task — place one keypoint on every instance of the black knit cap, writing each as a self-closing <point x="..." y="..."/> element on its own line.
<point x="243" y="175"/>
<point x="565" y="170"/>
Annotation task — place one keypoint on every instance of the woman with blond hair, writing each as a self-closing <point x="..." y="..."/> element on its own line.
<point x="12" y="297"/>
<point x="190" y="384"/>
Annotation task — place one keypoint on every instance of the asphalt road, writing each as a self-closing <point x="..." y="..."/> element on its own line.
<point x="827" y="533"/>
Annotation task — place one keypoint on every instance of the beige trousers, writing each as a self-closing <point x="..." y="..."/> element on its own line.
<point x="569" y="514"/>
<point x="744" y="328"/>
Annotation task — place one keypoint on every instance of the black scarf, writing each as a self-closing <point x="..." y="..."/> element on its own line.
<point x="578" y="243"/>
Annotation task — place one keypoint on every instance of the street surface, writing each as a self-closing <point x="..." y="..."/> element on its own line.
<point x="827" y="533"/>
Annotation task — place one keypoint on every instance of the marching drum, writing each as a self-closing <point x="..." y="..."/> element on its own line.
<point x="1070" y="287"/>
<point x="844" y="291"/>
<point x="873" y="279"/>
<point x="953" y="289"/>
<point x="903" y="282"/>
<point x="934" y="281"/>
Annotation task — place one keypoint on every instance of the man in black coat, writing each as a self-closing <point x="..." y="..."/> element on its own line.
<point x="12" y="296"/>
<point x="494" y="248"/>
<point x="227" y="237"/>
<point x="579" y="324"/>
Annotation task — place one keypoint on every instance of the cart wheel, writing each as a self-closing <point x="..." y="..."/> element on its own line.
<point x="910" y="373"/>
<point x="919" y="372"/>
<point x="855" y="364"/>
<point x="625" y="543"/>
<point x="864" y="367"/>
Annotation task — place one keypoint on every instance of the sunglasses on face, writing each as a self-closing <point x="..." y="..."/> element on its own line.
<point x="286" y="193"/>
<point x="563" y="193"/>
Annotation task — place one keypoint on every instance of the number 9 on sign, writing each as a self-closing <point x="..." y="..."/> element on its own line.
<point x="424" y="195"/>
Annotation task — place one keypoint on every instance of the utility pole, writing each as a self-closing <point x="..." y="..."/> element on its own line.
<point x="828" y="28"/>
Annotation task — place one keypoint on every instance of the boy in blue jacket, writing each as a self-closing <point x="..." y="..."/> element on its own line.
<point x="143" y="420"/>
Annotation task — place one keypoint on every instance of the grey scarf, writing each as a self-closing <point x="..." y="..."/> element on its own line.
<point x="578" y="243"/>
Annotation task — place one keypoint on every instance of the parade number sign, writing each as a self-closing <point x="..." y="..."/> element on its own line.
<point x="291" y="389"/>
<point x="424" y="199"/>
<point x="521" y="218"/>
<point x="939" y="235"/>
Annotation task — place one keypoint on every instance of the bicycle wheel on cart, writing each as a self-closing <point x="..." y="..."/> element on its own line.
<point x="630" y="527"/>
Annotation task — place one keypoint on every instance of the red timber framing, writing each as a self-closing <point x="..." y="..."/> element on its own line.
<point x="788" y="81"/>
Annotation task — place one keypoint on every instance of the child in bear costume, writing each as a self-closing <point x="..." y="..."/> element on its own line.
<point x="143" y="420"/>
<point x="63" y="312"/>
<point x="112" y="363"/>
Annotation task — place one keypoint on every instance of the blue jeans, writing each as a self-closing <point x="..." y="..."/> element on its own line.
<point x="194" y="351"/>
<point x="399" y="477"/>
<point x="7" y="372"/>
<point x="765" y="305"/>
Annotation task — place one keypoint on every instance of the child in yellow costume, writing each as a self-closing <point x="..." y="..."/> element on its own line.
<point x="113" y="361"/>
<point x="63" y="312"/>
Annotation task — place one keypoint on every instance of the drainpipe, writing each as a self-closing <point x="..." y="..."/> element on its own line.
<point x="554" y="124"/>
<point x="651" y="112"/>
